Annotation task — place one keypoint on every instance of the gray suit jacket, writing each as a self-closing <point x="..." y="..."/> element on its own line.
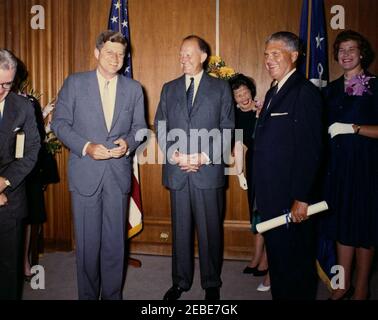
<point x="18" y="116"/>
<point x="212" y="109"/>
<point x="79" y="118"/>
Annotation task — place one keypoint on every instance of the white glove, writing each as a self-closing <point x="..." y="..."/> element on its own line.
<point x="340" y="128"/>
<point x="242" y="181"/>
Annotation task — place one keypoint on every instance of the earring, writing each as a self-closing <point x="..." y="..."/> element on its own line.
<point x="360" y="57"/>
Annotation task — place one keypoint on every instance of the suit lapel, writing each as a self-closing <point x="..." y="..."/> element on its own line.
<point x="121" y="98"/>
<point x="10" y="114"/>
<point x="95" y="98"/>
<point x="201" y="94"/>
<point x="181" y="97"/>
<point x="283" y="91"/>
<point x="277" y="98"/>
<point x="268" y="97"/>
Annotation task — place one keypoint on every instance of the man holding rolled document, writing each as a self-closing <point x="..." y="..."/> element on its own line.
<point x="288" y="146"/>
<point x="286" y="218"/>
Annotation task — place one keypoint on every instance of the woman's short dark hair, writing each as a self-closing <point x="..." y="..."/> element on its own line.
<point x="21" y="76"/>
<point x="366" y="50"/>
<point x="241" y="80"/>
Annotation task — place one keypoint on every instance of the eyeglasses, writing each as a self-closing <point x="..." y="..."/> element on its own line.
<point x="6" y="85"/>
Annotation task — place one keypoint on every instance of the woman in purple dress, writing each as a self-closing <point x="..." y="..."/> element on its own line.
<point x="352" y="177"/>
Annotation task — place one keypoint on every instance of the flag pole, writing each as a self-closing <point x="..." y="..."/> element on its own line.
<point x="118" y="21"/>
<point x="217" y="28"/>
<point x="308" y="38"/>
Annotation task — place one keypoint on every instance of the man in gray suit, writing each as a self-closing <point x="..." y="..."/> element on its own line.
<point x="191" y="106"/>
<point x="17" y="120"/>
<point x="97" y="116"/>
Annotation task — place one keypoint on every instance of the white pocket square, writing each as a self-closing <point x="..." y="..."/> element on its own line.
<point x="278" y="114"/>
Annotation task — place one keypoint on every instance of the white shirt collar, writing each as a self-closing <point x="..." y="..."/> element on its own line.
<point x="284" y="79"/>
<point x="102" y="80"/>
<point x="197" y="79"/>
<point x="2" y="103"/>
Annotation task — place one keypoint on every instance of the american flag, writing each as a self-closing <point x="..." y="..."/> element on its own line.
<point x="119" y="21"/>
<point x="314" y="37"/>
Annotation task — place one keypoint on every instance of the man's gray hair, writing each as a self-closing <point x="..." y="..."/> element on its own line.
<point x="7" y="60"/>
<point x="291" y="40"/>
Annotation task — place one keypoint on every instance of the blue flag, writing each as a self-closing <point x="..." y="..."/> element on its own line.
<point x="314" y="37"/>
<point x="315" y="68"/>
<point x="119" y="21"/>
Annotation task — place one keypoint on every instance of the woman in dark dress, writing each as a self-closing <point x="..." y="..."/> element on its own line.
<point x="35" y="186"/>
<point x="34" y="181"/>
<point x="352" y="177"/>
<point x="244" y="92"/>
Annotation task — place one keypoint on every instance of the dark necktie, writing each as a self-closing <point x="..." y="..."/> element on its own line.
<point x="273" y="93"/>
<point x="190" y="94"/>
<point x="269" y="95"/>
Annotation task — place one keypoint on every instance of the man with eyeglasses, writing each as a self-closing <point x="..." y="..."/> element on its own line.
<point x="16" y="120"/>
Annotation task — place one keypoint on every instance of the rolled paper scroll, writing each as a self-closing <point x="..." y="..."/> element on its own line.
<point x="285" y="218"/>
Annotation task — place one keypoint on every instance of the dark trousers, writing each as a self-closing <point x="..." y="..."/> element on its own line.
<point x="203" y="209"/>
<point x="292" y="261"/>
<point x="11" y="280"/>
<point x="100" y="240"/>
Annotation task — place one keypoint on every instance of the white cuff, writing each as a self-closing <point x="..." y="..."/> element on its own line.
<point x="84" y="151"/>
<point x="208" y="161"/>
<point x="171" y="159"/>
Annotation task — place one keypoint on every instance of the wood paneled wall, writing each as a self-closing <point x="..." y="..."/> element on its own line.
<point x="47" y="55"/>
<point x="157" y="28"/>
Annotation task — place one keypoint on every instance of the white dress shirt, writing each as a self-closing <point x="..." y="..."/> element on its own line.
<point x="284" y="79"/>
<point x="2" y="103"/>
<point x="112" y="90"/>
<point x="112" y="96"/>
<point x="197" y="80"/>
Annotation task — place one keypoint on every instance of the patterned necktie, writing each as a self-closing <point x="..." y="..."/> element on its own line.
<point x="190" y="94"/>
<point x="106" y="105"/>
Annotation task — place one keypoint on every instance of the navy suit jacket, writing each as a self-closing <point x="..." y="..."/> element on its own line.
<point x="79" y="118"/>
<point x="288" y="146"/>
<point x="18" y="115"/>
<point x="212" y="109"/>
